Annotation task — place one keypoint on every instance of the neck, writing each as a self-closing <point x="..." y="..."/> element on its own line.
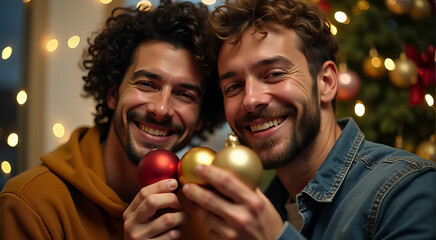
<point x="297" y="174"/>
<point x="121" y="173"/>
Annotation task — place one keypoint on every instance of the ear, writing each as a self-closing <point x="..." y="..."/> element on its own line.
<point x="111" y="98"/>
<point x="328" y="82"/>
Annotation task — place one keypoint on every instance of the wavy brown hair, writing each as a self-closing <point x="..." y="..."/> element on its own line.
<point x="110" y="53"/>
<point x="232" y="19"/>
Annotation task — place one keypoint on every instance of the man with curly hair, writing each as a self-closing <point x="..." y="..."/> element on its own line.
<point x="279" y="80"/>
<point x="150" y="75"/>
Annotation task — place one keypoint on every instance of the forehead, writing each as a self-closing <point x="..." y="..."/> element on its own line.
<point x="254" y="46"/>
<point x="166" y="60"/>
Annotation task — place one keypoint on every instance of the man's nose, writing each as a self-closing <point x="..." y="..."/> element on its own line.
<point x="256" y="95"/>
<point x="162" y="105"/>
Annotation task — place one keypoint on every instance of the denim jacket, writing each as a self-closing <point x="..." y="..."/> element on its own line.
<point x="363" y="190"/>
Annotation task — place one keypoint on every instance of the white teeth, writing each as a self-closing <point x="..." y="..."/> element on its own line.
<point x="266" y="125"/>
<point x="153" y="131"/>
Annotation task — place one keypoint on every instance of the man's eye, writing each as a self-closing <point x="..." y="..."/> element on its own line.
<point x="147" y="85"/>
<point x="274" y="75"/>
<point x="230" y="88"/>
<point x="186" y="96"/>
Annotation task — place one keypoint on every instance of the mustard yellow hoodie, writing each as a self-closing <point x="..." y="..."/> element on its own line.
<point x="65" y="197"/>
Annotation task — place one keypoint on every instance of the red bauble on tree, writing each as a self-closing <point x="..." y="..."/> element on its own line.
<point x="348" y="84"/>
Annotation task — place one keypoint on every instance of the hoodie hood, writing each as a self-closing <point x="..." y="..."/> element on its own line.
<point x="79" y="162"/>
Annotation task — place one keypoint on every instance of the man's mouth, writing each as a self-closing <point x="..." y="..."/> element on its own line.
<point x="153" y="131"/>
<point x="266" y="125"/>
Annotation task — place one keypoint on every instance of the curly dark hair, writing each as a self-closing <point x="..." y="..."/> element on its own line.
<point x="317" y="42"/>
<point x="181" y="24"/>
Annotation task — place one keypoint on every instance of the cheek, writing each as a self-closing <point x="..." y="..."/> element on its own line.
<point x="232" y="107"/>
<point x="188" y="114"/>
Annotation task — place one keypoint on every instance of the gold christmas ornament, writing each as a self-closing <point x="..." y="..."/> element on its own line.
<point x="427" y="149"/>
<point x="399" y="6"/>
<point x="420" y="9"/>
<point x="240" y="160"/>
<point x="186" y="168"/>
<point x="373" y="65"/>
<point x="405" y="73"/>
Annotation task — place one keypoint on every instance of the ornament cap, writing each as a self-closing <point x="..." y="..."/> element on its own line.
<point x="231" y="140"/>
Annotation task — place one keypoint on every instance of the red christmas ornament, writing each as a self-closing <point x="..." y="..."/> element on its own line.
<point x="348" y="85"/>
<point x="157" y="165"/>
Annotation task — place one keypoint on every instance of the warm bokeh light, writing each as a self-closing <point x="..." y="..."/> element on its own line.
<point x="52" y="45"/>
<point x="74" y="41"/>
<point x="389" y="64"/>
<point x="376" y="62"/>
<point x="144" y="5"/>
<point x="6" y="167"/>
<point x="13" y="139"/>
<point x="429" y="99"/>
<point x="21" y="97"/>
<point x="359" y="108"/>
<point x="58" y="130"/>
<point x="333" y="29"/>
<point x="26" y="1"/>
<point x="341" y="17"/>
<point x="7" y="52"/>
<point x="363" y="5"/>
<point x="209" y="2"/>
<point x="105" y="1"/>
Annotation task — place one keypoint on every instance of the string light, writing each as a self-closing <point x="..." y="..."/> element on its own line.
<point x="12" y="140"/>
<point x="209" y="2"/>
<point x="429" y="99"/>
<point x="52" y="45"/>
<point x="359" y="108"/>
<point x="21" y="97"/>
<point x="58" y="130"/>
<point x="7" y="52"/>
<point x="6" y="167"/>
<point x="333" y="29"/>
<point x="389" y="64"/>
<point x="341" y="17"/>
<point x="74" y="41"/>
<point x="144" y="5"/>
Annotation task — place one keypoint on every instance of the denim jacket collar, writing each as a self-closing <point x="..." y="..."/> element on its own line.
<point x="333" y="170"/>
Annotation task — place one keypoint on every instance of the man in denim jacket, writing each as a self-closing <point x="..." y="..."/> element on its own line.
<point x="279" y="80"/>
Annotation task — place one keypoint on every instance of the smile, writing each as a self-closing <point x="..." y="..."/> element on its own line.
<point x="153" y="131"/>
<point x="266" y="125"/>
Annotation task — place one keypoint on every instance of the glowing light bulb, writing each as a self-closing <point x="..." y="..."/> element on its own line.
<point x="359" y="108"/>
<point x="105" y="1"/>
<point x="21" y="97"/>
<point x="389" y="64"/>
<point x="12" y="140"/>
<point x="6" y="167"/>
<point x="209" y="2"/>
<point x="429" y="99"/>
<point x="52" y="45"/>
<point x="144" y="5"/>
<point x="333" y="29"/>
<point x="7" y="52"/>
<point x="58" y="130"/>
<point x="74" y="41"/>
<point x="341" y="17"/>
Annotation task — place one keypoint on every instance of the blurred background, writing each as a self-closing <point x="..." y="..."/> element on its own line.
<point x="386" y="63"/>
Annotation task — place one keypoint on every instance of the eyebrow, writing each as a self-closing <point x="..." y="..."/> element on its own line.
<point x="145" y="73"/>
<point x="276" y="59"/>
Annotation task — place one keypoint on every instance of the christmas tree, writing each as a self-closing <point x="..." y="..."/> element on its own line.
<point x="377" y="36"/>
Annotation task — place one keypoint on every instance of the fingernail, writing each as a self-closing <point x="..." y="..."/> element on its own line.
<point x="172" y="183"/>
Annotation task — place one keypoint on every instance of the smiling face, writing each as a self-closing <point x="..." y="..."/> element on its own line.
<point x="270" y="98"/>
<point x="158" y="102"/>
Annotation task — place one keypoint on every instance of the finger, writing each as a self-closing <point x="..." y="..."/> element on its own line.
<point x="225" y="182"/>
<point x="152" y="203"/>
<point x="166" y="223"/>
<point x="164" y="186"/>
